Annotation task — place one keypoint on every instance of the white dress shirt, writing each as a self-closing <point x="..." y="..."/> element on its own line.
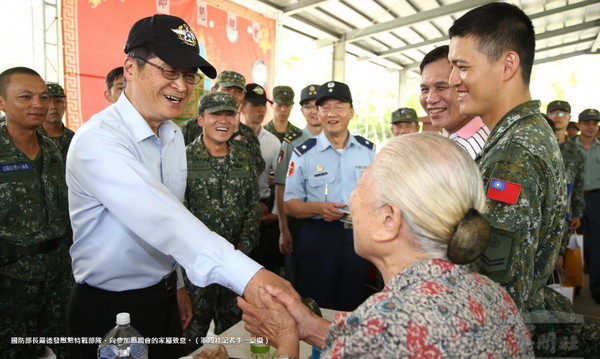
<point x="269" y="150"/>
<point x="130" y="228"/>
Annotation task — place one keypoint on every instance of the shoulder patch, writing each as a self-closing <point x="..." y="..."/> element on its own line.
<point x="291" y="137"/>
<point x="305" y="146"/>
<point x="363" y="141"/>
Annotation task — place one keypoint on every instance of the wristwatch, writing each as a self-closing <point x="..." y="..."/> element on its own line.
<point x="284" y="356"/>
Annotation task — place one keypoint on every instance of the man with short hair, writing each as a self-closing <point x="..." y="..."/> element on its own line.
<point x="223" y="193"/>
<point x="572" y="129"/>
<point x="127" y="172"/>
<point x="590" y="145"/>
<point x="283" y="101"/>
<point x="439" y="100"/>
<point x="322" y="173"/>
<point x="289" y="227"/>
<point x="234" y="83"/>
<point x="35" y="273"/>
<point x="404" y="121"/>
<point x="53" y="127"/>
<point x="114" y="84"/>
<point x="492" y="49"/>
<point x="559" y="113"/>
<point x="254" y="109"/>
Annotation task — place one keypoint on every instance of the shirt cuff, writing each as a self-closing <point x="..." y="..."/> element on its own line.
<point x="238" y="271"/>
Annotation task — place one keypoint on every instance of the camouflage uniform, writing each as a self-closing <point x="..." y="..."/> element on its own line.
<point x="291" y="130"/>
<point x="574" y="165"/>
<point x="526" y="236"/>
<point x="191" y="130"/>
<point x="61" y="142"/>
<point x="285" y="95"/>
<point x="223" y="193"/>
<point x="34" y="261"/>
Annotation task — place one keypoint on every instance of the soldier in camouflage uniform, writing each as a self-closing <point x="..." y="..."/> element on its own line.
<point x="491" y="50"/>
<point x="559" y="113"/>
<point x="53" y="127"/>
<point x="222" y="191"/>
<point x="280" y="126"/>
<point x="235" y="84"/>
<point x="35" y="272"/>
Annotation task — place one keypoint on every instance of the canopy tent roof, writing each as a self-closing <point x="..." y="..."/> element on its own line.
<point x="397" y="34"/>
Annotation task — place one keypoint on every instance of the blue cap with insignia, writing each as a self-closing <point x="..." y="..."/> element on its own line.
<point x="333" y="89"/>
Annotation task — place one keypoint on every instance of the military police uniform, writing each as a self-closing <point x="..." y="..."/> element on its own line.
<point x="285" y="153"/>
<point x="285" y="95"/>
<point x="34" y="261"/>
<point x="62" y="142"/>
<point x="329" y="270"/>
<point x="223" y="193"/>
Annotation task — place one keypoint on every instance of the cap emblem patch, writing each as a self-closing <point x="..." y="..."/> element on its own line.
<point x="186" y="35"/>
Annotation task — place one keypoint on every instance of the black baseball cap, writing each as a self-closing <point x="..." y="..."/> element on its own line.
<point x="308" y="93"/>
<point x="333" y="89"/>
<point x="256" y="94"/>
<point x="171" y="39"/>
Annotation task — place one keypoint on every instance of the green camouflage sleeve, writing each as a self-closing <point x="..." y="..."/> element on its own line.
<point x="515" y="230"/>
<point x="249" y="237"/>
<point x="577" y="197"/>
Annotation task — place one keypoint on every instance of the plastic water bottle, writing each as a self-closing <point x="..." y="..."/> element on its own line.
<point x="123" y="341"/>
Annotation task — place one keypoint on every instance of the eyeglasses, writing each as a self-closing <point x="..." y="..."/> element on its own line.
<point x="558" y="113"/>
<point x="309" y="107"/>
<point x="191" y="78"/>
<point x="335" y="108"/>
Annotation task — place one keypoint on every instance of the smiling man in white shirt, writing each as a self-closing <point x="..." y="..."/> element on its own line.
<point x="126" y="172"/>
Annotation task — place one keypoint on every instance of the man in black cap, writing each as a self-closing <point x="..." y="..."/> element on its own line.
<point x="321" y="175"/>
<point x="254" y="108"/>
<point x="126" y="172"/>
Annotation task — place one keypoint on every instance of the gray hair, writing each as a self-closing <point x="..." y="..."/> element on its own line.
<point x="434" y="182"/>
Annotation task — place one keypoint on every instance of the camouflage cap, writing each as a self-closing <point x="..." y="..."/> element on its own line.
<point x="589" y="114"/>
<point x="55" y="90"/>
<point x="283" y="94"/>
<point x="404" y="114"/>
<point x="212" y="102"/>
<point x="231" y="79"/>
<point x="558" y="105"/>
<point x="308" y="93"/>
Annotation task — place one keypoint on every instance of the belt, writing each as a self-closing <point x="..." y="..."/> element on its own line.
<point x="592" y="191"/>
<point x="167" y="284"/>
<point x="11" y="253"/>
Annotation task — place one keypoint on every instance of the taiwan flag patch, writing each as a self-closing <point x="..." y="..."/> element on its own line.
<point x="504" y="191"/>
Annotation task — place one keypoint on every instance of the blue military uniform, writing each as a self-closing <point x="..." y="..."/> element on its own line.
<point x="329" y="270"/>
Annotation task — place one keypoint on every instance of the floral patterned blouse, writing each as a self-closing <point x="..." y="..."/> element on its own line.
<point x="434" y="309"/>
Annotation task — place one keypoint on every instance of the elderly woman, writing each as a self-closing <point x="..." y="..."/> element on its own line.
<point x="416" y="216"/>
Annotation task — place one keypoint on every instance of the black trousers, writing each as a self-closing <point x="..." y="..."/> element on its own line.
<point x="154" y="313"/>
<point x="329" y="270"/>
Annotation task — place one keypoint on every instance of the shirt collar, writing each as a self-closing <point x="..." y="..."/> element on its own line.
<point x="136" y="124"/>
<point x="470" y="128"/>
<point x="323" y="142"/>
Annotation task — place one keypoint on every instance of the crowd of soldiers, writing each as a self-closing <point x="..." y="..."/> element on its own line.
<point x="280" y="194"/>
